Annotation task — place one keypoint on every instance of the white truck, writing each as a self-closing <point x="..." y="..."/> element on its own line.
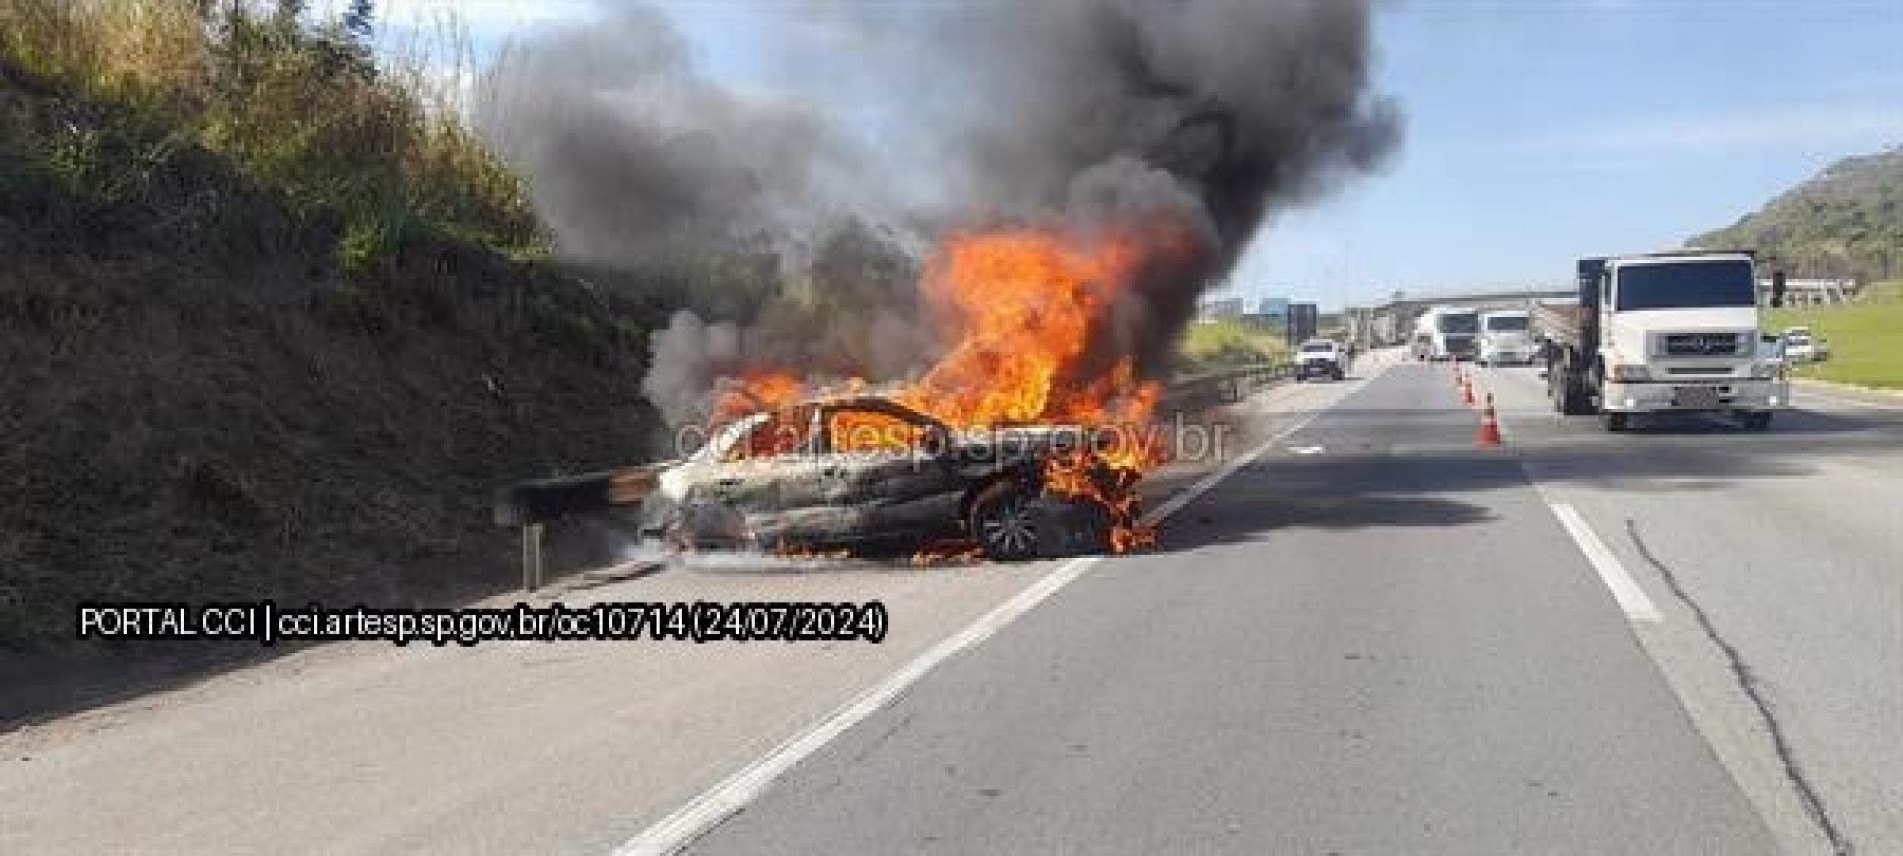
<point x="1662" y="333"/>
<point x="1506" y="336"/>
<point x="1446" y="333"/>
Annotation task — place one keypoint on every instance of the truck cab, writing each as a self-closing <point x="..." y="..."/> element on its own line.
<point x="1506" y="337"/>
<point x="1446" y="333"/>
<point x="1667" y="332"/>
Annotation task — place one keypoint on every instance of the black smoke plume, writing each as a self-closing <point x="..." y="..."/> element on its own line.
<point x="1088" y="113"/>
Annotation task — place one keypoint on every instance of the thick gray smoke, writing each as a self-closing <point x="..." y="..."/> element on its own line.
<point x="1223" y="109"/>
<point x="1091" y="113"/>
<point x="632" y="154"/>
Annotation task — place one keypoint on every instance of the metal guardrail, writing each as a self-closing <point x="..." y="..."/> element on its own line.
<point x="1225" y="386"/>
<point x="530" y="505"/>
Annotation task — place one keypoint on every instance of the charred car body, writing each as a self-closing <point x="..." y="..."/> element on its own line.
<point x="867" y="470"/>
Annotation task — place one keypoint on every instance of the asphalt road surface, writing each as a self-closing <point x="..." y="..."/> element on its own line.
<point x="1372" y="637"/>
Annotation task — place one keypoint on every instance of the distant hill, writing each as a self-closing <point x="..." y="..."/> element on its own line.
<point x="1846" y="221"/>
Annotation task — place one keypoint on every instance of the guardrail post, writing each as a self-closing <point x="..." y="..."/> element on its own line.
<point x="531" y="556"/>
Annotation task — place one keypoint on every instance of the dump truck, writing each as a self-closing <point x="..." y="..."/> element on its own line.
<point x="1672" y="332"/>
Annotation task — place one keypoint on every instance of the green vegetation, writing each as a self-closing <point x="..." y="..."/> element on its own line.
<point x="1223" y="343"/>
<point x="367" y="157"/>
<point x="1866" y="338"/>
<point x="1845" y="222"/>
<point x="274" y="324"/>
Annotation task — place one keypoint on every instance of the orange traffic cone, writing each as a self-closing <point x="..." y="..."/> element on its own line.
<point x="1489" y="426"/>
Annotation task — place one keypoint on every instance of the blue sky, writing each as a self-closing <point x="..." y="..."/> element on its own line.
<point x="1537" y="130"/>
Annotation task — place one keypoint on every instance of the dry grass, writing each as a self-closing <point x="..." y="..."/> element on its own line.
<point x="376" y="145"/>
<point x="265" y="324"/>
<point x="1210" y="345"/>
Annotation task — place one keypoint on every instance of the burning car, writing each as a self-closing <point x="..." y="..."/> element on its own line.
<point x="865" y="469"/>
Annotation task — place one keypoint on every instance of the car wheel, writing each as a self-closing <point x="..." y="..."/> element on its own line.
<point x="1002" y="520"/>
<point x="675" y="536"/>
<point x="1614" y="421"/>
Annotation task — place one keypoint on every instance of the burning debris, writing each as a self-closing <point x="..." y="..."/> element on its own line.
<point x="1097" y="164"/>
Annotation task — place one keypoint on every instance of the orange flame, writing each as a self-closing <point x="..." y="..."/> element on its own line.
<point x="1027" y="309"/>
<point x="755" y="390"/>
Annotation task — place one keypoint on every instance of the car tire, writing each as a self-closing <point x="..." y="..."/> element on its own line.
<point x="1003" y="523"/>
<point x="1615" y="422"/>
<point x="675" y="537"/>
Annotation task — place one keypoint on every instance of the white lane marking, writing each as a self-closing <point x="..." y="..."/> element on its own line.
<point x="694" y="818"/>
<point x="1625" y="589"/>
<point x="1306" y="450"/>
<point x="700" y="814"/>
<point x="1187" y="495"/>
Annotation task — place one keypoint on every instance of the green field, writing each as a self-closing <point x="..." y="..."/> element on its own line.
<point x="1866" y="339"/>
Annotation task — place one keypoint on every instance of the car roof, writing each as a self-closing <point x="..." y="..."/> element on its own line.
<point x="859" y="401"/>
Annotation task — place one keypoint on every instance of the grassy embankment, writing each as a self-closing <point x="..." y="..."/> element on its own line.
<point x="1866" y="338"/>
<point x="1208" y="346"/>
<point x="274" y="324"/>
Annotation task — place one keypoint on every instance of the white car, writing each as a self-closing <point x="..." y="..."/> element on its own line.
<point x="1801" y="347"/>
<point x="1319" y="358"/>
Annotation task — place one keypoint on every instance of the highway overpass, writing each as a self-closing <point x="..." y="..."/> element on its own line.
<point x="1387" y="322"/>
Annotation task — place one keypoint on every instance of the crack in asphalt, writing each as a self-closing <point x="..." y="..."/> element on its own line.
<point x="1748" y="682"/>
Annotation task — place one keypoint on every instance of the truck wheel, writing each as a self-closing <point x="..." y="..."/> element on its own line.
<point x="1614" y="421"/>
<point x="1002" y="521"/>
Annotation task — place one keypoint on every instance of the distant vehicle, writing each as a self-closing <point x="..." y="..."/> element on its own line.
<point x="1667" y="332"/>
<point x="1506" y="337"/>
<point x="1802" y="347"/>
<point x="1320" y="358"/>
<point x="1303" y="318"/>
<point x="1446" y="333"/>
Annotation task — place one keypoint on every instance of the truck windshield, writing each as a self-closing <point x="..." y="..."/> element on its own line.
<point x="1507" y="324"/>
<point x="1687" y="285"/>
<point x="1459" y="323"/>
